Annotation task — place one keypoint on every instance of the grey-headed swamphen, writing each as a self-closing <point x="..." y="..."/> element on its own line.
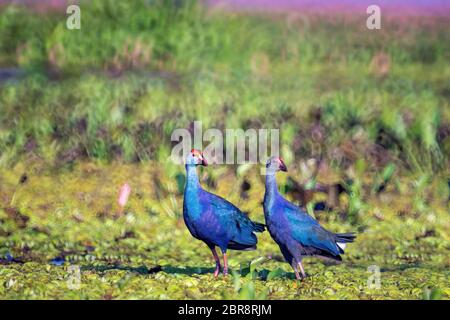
<point x="214" y="220"/>
<point x="297" y="233"/>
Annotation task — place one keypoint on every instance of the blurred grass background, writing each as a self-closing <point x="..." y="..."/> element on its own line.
<point x="82" y="111"/>
<point x="118" y="87"/>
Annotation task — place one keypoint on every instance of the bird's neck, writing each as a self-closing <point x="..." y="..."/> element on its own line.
<point x="191" y="202"/>
<point x="271" y="189"/>
<point x="192" y="181"/>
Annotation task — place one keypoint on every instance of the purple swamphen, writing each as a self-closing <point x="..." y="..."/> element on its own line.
<point x="214" y="220"/>
<point x="297" y="233"/>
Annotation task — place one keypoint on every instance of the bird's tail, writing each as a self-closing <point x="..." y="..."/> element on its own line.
<point x="343" y="238"/>
<point x="258" y="227"/>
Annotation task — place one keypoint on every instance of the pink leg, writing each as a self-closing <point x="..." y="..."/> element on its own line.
<point x="216" y="258"/>
<point x="295" y="267"/>
<point x="302" y="270"/>
<point x="225" y="264"/>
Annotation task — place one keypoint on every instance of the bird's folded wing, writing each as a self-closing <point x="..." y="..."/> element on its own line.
<point x="309" y="233"/>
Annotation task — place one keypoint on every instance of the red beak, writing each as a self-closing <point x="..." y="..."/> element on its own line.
<point x="204" y="162"/>
<point x="282" y="165"/>
<point x="200" y="156"/>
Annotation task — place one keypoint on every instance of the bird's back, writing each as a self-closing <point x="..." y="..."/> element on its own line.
<point x="292" y="224"/>
<point x="241" y="228"/>
<point x="220" y="222"/>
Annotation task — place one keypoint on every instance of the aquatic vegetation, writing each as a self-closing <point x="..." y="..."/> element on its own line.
<point x="146" y="253"/>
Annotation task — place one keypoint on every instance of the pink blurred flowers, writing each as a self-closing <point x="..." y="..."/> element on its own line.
<point x="124" y="194"/>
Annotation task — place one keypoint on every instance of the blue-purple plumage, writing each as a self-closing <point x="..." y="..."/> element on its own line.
<point x="297" y="233"/>
<point x="214" y="220"/>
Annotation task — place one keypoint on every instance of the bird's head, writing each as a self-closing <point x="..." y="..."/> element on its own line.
<point x="196" y="158"/>
<point x="275" y="164"/>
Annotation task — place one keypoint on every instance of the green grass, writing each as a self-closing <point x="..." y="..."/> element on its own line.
<point x="111" y="89"/>
<point x="95" y="108"/>
<point x="72" y="214"/>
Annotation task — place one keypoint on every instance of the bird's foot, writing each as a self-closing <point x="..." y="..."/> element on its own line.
<point x="302" y="270"/>
<point x="225" y="272"/>
<point x="302" y="277"/>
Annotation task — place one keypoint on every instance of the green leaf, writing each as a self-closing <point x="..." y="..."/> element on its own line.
<point x="277" y="273"/>
<point x="256" y="262"/>
<point x="388" y="172"/>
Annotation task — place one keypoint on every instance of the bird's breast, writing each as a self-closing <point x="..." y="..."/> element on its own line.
<point x="277" y="225"/>
<point x="192" y="207"/>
